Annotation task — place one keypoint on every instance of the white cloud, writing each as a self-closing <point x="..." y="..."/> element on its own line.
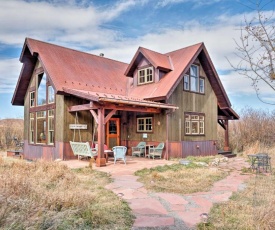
<point x="197" y="3"/>
<point x="9" y="73"/>
<point x="77" y="23"/>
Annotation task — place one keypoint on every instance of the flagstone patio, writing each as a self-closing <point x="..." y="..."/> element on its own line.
<point x="165" y="210"/>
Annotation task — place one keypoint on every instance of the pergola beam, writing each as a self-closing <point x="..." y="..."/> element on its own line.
<point x="92" y="106"/>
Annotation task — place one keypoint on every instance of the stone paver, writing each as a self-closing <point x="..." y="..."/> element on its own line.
<point x="166" y="210"/>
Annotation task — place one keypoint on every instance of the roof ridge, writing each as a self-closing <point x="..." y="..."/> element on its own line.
<point x="78" y="51"/>
<point x="200" y="43"/>
<point x="153" y="51"/>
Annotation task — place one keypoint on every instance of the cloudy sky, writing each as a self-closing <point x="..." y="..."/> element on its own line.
<point x="118" y="27"/>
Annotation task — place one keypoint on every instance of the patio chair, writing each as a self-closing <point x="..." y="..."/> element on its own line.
<point x="119" y="153"/>
<point x="139" y="149"/>
<point x="156" y="151"/>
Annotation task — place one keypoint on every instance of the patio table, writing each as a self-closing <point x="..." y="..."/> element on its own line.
<point x="260" y="160"/>
<point x="148" y="146"/>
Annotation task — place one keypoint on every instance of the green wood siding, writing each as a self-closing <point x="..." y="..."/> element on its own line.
<point x="193" y="102"/>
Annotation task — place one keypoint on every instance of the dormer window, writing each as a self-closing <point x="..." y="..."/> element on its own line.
<point x="145" y="75"/>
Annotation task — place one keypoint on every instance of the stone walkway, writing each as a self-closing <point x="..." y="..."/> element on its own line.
<point x="165" y="210"/>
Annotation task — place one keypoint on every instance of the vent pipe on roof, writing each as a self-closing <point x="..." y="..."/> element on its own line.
<point x="101" y="54"/>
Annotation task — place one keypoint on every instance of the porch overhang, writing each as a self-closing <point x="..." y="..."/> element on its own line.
<point x="100" y="102"/>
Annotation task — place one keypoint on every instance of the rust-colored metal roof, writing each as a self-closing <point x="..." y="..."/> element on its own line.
<point x="181" y="60"/>
<point x="83" y="72"/>
<point x="158" y="60"/>
<point x="78" y="70"/>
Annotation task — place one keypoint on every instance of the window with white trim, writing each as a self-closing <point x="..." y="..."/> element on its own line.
<point x="194" y="124"/>
<point x="145" y="75"/>
<point x="193" y="82"/>
<point x="145" y="124"/>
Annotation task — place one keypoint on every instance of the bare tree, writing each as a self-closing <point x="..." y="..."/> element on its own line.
<point x="256" y="48"/>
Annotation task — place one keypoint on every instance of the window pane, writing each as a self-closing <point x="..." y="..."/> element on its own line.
<point x="187" y="127"/>
<point x="41" y="127"/>
<point x="31" y="137"/>
<point x="195" y="127"/>
<point x="51" y="126"/>
<point x="194" y="78"/>
<point x="41" y="89"/>
<point x="50" y="94"/>
<point x="201" y="127"/>
<point x="201" y="85"/>
<point x="112" y="127"/>
<point x="186" y="82"/>
<point x="32" y="99"/>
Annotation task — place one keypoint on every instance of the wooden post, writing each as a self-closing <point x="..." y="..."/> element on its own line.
<point x="226" y="136"/>
<point x="100" y="161"/>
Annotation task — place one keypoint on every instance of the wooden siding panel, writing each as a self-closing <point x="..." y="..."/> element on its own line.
<point x="198" y="148"/>
<point x="193" y="102"/>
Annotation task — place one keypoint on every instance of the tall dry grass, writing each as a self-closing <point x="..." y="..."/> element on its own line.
<point x="48" y="195"/>
<point x="254" y="125"/>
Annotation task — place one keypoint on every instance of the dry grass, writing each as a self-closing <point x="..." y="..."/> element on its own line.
<point x="179" y="179"/>
<point x="48" y="195"/>
<point x="252" y="208"/>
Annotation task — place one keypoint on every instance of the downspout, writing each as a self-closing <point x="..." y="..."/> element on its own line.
<point x="167" y="135"/>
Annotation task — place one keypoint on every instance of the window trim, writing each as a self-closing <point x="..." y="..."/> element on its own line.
<point x="200" y="121"/>
<point x="146" y="75"/>
<point x="144" y="124"/>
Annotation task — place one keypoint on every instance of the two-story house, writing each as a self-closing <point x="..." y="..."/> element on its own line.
<point x="176" y="98"/>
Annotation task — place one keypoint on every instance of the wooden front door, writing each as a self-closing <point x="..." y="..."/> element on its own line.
<point x="113" y="132"/>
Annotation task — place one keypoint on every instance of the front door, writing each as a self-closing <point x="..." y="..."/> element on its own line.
<point x="113" y="132"/>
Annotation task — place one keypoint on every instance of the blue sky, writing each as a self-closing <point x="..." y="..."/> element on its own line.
<point x="118" y="27"/>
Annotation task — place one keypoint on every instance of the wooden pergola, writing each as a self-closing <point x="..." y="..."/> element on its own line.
<point x="104" y="108"/>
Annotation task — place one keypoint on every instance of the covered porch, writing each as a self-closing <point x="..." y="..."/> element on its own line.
<point x="114" y="118"/>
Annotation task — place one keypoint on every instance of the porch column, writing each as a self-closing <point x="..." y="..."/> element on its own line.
<point x="226" y="136"/>
<point x="101" y="161"/>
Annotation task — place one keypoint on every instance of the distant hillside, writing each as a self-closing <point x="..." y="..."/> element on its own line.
<point x="10" y="128"/>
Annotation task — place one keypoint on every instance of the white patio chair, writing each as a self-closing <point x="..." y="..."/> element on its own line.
<point x="119" y="153"/>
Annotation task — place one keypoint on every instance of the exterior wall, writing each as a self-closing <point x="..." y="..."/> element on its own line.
<point x="199" y="103"/>
<point x="84" y="117"/>
<point x="61" y="148"/>
<point x="133" y="137"/>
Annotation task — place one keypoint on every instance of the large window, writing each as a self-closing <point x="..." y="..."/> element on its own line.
<point x="194" y="124"/>
<point x="145" y="75"/>
<point x="193" y="82"/>
<point x="145" y="124"/>
<point x="42" y="111"/>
